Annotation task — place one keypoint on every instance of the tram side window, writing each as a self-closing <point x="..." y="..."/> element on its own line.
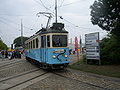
<point x="29" y="45"/>
<point x="42" y="42"/>
<point x="33" y="43"/>
<point x="48" y="41"/>
<point x="36" y="42"/>
<point x="25" y="46"/>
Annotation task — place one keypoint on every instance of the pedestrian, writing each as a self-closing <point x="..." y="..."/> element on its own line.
<point x="15" y="53"/>
<point x="6" y="54"/>
<point x="2" y="53"/>
<point x="12" y="56"/>
<point x="70" y="51"/>
<point x="22" y="51"/>
<point x="19" y="54"/>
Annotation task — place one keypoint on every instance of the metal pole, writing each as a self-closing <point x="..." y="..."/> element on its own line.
<point x="21" y="33"/>
<point x="99" y="48"/>
<point x="85" y="49"/>
<point x="56" y="10"/>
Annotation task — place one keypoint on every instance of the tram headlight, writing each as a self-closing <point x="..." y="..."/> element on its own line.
<point x="54" y="57"/>
<point x="66" y="56"/>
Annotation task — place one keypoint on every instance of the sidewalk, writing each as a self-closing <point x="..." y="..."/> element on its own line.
<point x="74" y="58"/>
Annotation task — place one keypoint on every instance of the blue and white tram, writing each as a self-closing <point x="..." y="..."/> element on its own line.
<point x="49" y="47"/>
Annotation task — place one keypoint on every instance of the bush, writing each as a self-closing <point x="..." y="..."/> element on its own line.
<point x="110" y="50"/>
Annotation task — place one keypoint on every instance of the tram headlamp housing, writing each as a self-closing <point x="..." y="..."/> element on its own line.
<point x="54" y="57"/>
<point x="66" y="56"/>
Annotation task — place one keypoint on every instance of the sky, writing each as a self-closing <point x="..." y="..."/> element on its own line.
<point x="75" y="14"/>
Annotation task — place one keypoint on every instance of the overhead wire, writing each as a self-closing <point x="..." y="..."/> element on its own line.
<point x="37" y="1"/>
<point x="76" y="25"/>
<point x="70" y="3"/>
<point x="10" y="32"/>
<point x="34" y="24"/>
<point x="45" y="6"/>
<point x="61" y="5"/>
<point x="14" y="15"/>
<point x="4" y="35"/>
<point x="14" y="22"/>
<point x="41" y="3"/>
<point x="8" y="24"/>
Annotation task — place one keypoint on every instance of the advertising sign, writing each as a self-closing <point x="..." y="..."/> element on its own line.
<point x="92" y="46"/>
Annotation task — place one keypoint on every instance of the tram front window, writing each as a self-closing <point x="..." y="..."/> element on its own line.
<point x="59" y="40"/>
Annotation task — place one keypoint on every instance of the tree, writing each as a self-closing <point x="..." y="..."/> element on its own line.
<point x="17" y="41"/>
<point x="3" y="46"/>
<point x="106" y="14"/>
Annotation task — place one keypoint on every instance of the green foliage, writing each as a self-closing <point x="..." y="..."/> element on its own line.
<point x="3" y="46"/>
<point x="110" y="50"/>
<point x="17" y="41"/>
<point x="106" y="14"/>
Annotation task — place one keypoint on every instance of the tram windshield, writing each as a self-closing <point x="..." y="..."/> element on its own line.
<point x="59" y="40"/>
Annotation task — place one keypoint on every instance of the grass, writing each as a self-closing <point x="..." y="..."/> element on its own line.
<point x="106" y="70"/>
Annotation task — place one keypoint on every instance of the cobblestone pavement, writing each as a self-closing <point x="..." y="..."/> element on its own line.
<point x="76" y="80"/>
<point x="62" y="79"/>
<point x="15" y="68"/>
<point x="59" y="83"/>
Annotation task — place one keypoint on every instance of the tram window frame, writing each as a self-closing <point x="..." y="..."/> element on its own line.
<point x="33" y="43"/>
<point x="36" y="41"/>
<point x="48" y="41"/>
<point x="55" y="44"/>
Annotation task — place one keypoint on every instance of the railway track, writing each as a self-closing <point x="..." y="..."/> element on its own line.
<point x="16" y="68"/>
<point x="23" y="80"/>
<point x="20" y="74"/>
<point x="8" y="61"/>
<point x="10" y="64"/>
<point x="102" y="85"/>
<point x="8" y="78"/>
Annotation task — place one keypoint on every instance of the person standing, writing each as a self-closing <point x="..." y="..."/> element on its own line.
<point x="6" y="54"/>
<point x="12" y="55"/>
<point x="2" y="53"/>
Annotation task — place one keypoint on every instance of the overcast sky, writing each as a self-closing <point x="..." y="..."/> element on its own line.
<point x="75" y="13"/>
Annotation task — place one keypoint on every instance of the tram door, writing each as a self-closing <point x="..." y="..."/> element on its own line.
<point x="43" y="49"/>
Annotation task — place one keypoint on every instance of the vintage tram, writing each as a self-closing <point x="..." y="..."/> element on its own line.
<point x="49" y="47"/>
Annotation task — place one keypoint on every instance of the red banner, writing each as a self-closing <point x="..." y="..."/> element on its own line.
<point x="76" y="44"/>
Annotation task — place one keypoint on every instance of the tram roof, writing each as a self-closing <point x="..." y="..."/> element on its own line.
<point x="56" y="28"/>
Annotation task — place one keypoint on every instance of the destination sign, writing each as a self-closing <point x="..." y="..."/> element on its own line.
<point x="92" y="46"/>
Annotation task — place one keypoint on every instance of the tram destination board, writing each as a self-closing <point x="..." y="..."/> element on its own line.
<point x="92" y="46"/>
